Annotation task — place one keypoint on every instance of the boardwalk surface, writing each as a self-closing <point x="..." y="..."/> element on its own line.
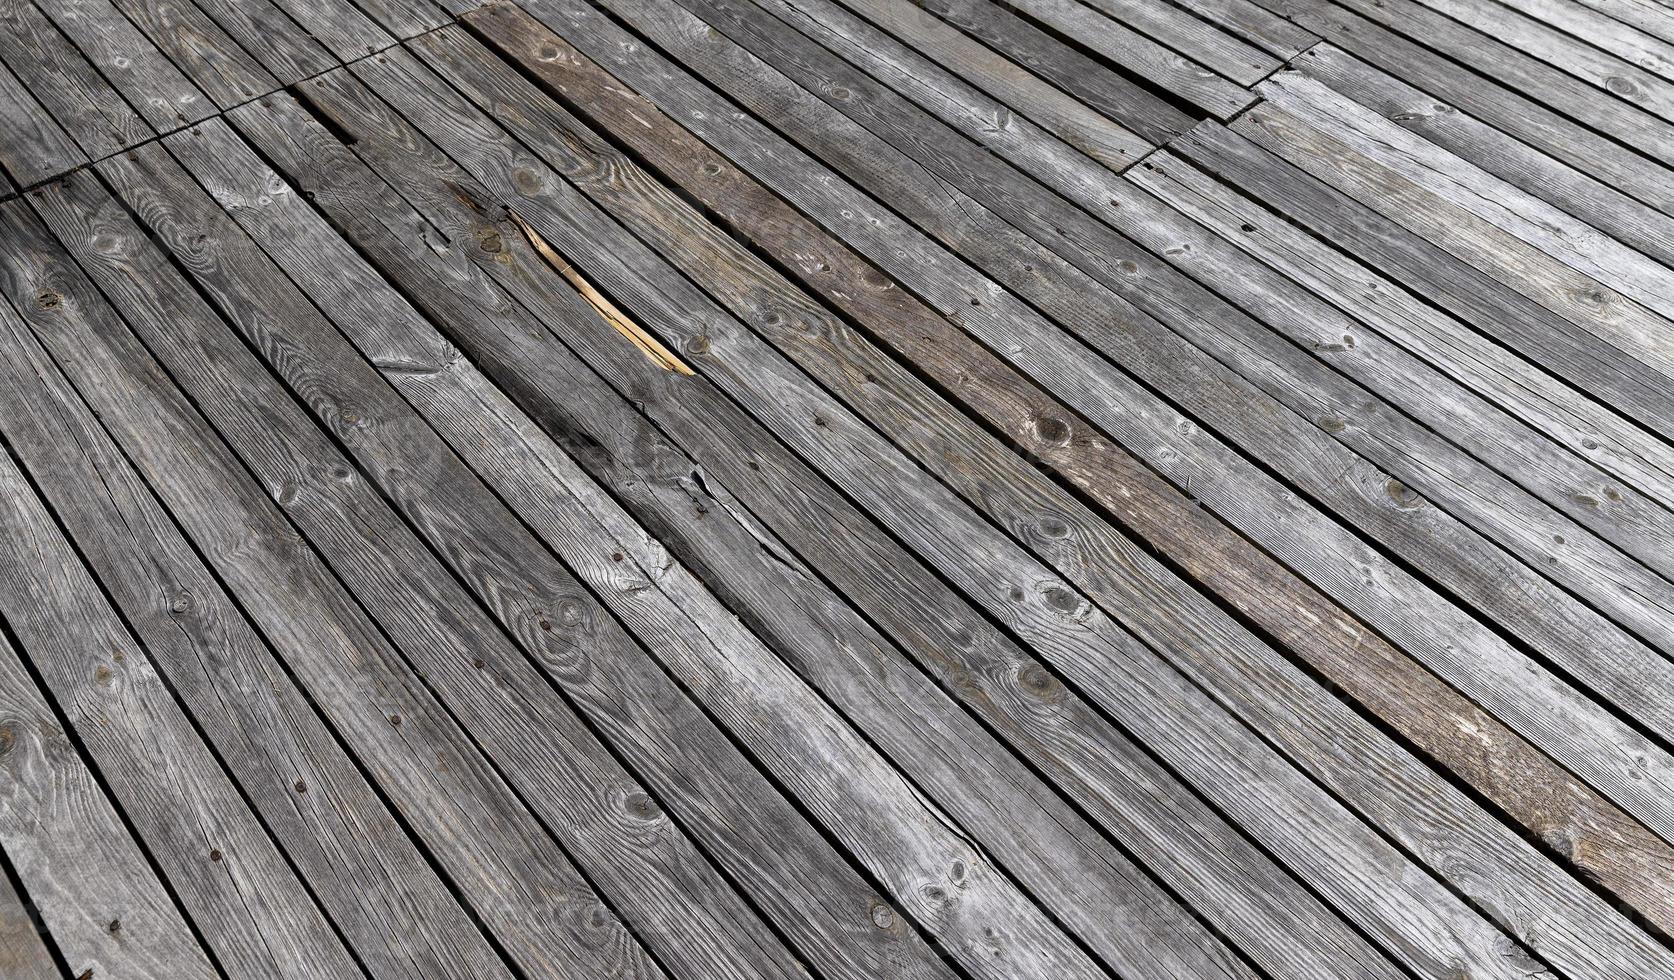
<point x="840" y="489"/>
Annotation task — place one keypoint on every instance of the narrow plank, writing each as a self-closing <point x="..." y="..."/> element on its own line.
<point x="1426" y="711"/>
<point x="209" y="57"/>
<point x="924" y="267"/>
<point x="1007" y="34"/>
<point x="132" y="63"/>
<point x="287" y="51"/>
<point x="1491" y="98"/>
<point x="1582" y="424"/>
<point x="517" y="878"/>
<point x="1503" y="155"/>
<point x="379" y="890"/>
<point x="1424" y="534"/>
<point x="23" y="952"/>
<point x="1014" y="87"/>
<point x="339" y="26"/>
<point x="33" y="147"/>
<point x="687" y="502"/>
<point x="80" y="100"/>
<point x="733" y="810"/>
<point x="1615" y="77"/>
<point x="1605" y="32"/>
<point x="1563" y="263"/>
<point x="993" y="570"/>
<point x="1633" y="387"/>
<point x="1255" y="24"/>
<point x="1199" y="40"/>
<point x="256" y="916"/>
<point x="80" y="866"/>
<point x="1135" y="53"/>
<point x="1650" y="16"/>
<point x="629" y="843"/>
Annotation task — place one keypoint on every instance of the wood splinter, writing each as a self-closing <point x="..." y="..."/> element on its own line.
<point x="637" y="335"/>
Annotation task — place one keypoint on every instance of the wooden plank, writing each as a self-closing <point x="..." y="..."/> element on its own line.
<point x="1139" y="55"/>
<point x="733" y="809"/>
<point x="1507" y="157"/>
<point x="1199" y="40"/>
<point x="1487" y="97"/>
<point x="1582" y="424"/>
<point x="81" y="101"/>
<point x="72" y="853"/>
<point x="1014" y="88"/>
<point x="339" y="26"/>
<point x="1607" y="33"/>
<point x="128" y="59"/>
<point x="1095" y="84"/>
<point x="517" y="878"/>
<point x="393" y="909"/>
<point x="194" y="42"/>
<point x="1427" y="711"/>
<point x="33" y="147"/>
<point x="1568" y="266"/>
<point x="1426" y="535"/>
<point x="687" y="501"/>
<point x="1633" y="387"/>
<point x="994" y="571"/>
<point x="23" y="953"/>
<point x="1260" y="27"/>
<point x="924" y="269"/>
<point x="1629" y="81"/>
<point x="233" y="883"/>
<point x="1650" y="16"/>
<point x="1505" y="70"/>
<point x="406" y="18"/>
<point x="631" y="846"/>
<point x="287" y="51"/>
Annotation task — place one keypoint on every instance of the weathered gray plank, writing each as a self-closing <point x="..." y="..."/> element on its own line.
<point x="1559" y="261"/>
<point x="626" y="839"/>
<point x="33" y="148"/>
<point x="1081" y="76"/>
<point x="1259" y="26"/>
<point x="1359" y="661"/>
<point x="209" y="57"/>
<point x="256" y="916"/>
<point x="271" y="37"/>
<point x="1651" y="16"/>
<point x="1618" y="38"/>
<point x="23" y="953"/>
<point x="731" y="807"/>
<point x="1505" y="156"/>
<point x="1070" y="633"/>
<point x="81" y="101"/>
<point x="1201" y="41"/>
<point x="395" y="912"/>
<point x="1015" y="88"/>
<point x="1489" y="98"/>
<point x="1576" y="420"/>
<point x="406" y="18"/>
<point x="1140" y="55"/>
<point x="688" y="504"/>
<point x="82" y="870"/>
<point x="339" y="26"/>
<point x="134" y="65"/>
<point x="518" y="879"/>
<point x="911" y="259"/>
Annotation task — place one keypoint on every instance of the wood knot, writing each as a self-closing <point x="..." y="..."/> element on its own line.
<point x="49" y="299"/>
<point x="1052" y="430"/>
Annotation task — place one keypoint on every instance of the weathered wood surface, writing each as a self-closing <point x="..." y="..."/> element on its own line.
<point x="732" y="808"/>
<point x="68" y="844"/>
<point x="979" y="558"/>
<point x="1248" y="579"/>
<point x="354" y="855"/>
<point x="839" y="488"/>
<point x="23" y="951"/>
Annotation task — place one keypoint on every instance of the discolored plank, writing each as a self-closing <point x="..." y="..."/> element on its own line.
<point x="72" y="853"/>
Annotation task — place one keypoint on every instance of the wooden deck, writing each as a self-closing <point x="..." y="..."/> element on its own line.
<point x="841" y="489"/>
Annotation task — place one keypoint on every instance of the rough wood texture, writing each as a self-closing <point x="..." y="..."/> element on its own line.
<point x="23" y="953"/>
